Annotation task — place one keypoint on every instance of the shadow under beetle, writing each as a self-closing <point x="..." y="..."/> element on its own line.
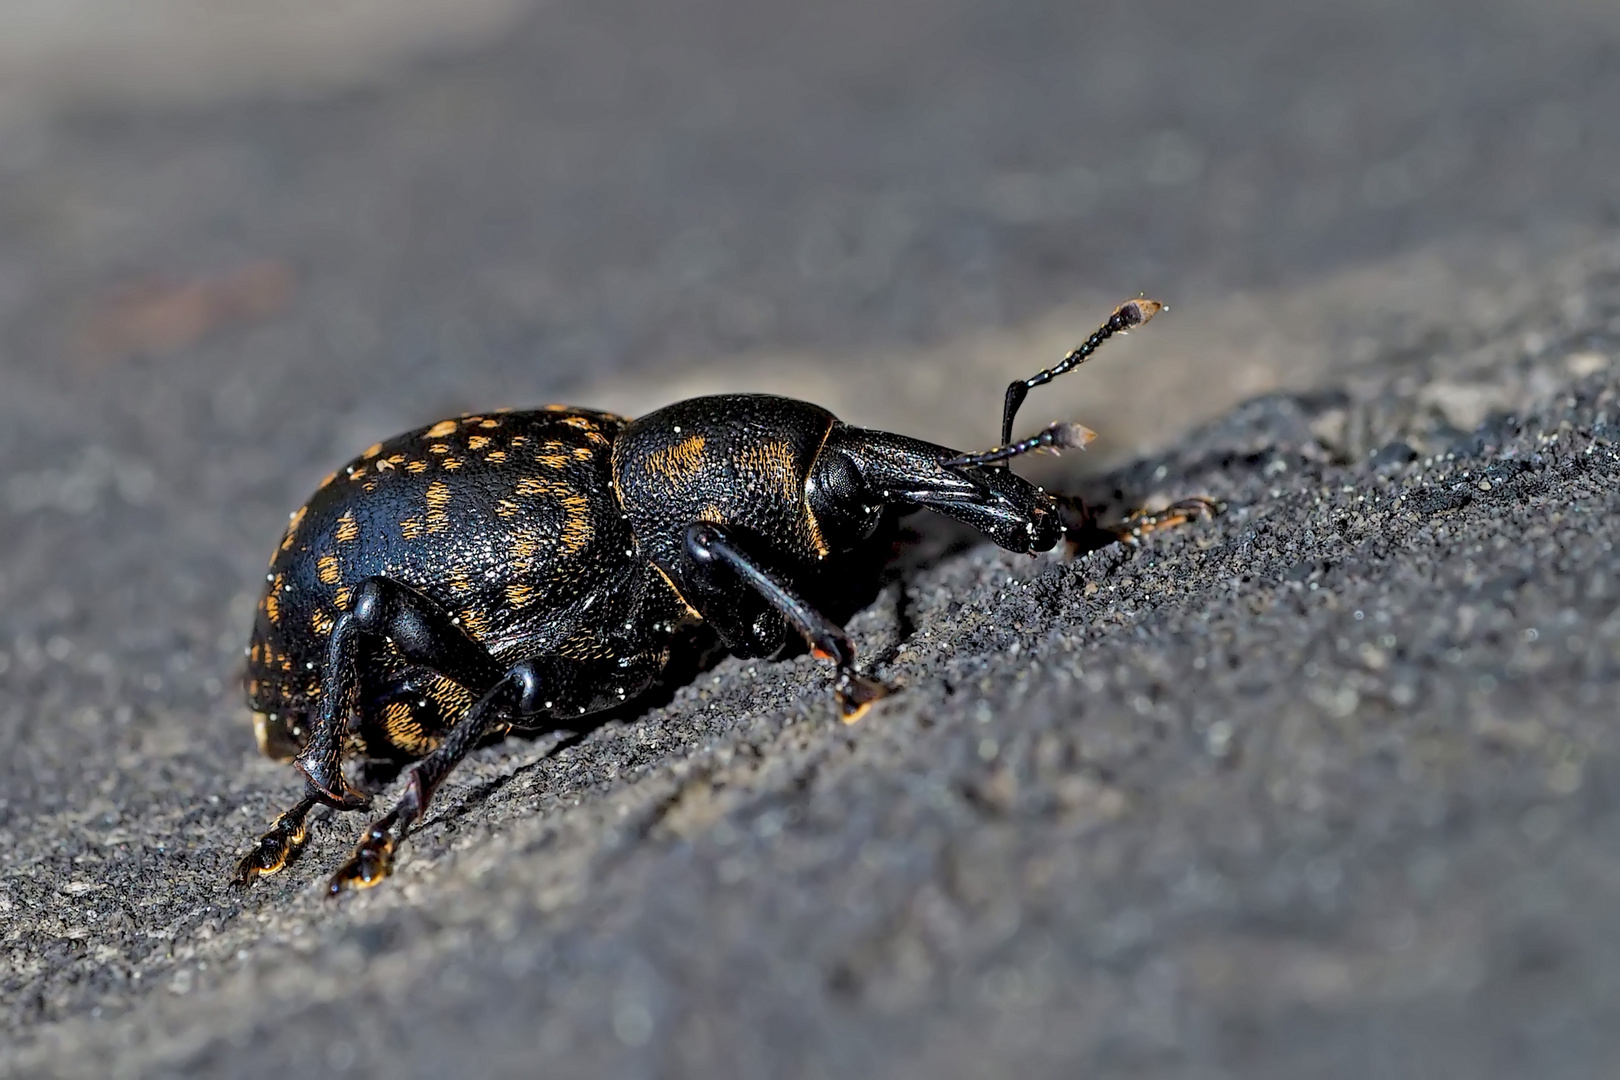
<point x="520" y="569"/>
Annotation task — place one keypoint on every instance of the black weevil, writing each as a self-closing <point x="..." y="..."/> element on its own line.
<point x="520" y="569"/>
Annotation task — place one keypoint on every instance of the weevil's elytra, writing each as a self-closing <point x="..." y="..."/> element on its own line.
<point x="521" y="569"/>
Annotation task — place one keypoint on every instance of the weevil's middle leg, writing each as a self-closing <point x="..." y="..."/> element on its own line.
<point x="383" y="610"/>
<point x="709" y="545"/>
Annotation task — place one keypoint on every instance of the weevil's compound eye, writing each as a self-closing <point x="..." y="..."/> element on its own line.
<point x="840" y="500"/>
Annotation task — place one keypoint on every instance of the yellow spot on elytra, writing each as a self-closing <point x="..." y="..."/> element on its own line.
<point x="460" y="581"/>
<point x="343" y="598"/>
<point x="292" y="527"/>
<point x="715" y="514"/>
<point x="517" y="441"/>
<point x="592" y="430"/>
<point x="347" y="528"/>
<point x="358" y="473"/>
<point x="679" y="461"/>
<point x="417" y="466"/>
<point x="410" y="528"/>
<point x="453" y="698"/>
<point x="438" y="495"/>
<point x="441" y="429"/>
<point x="497" y="457"/>
<point x="506" y="508"/>
<point x="327" y="568"/>
<point x="475" y="622"/>
<point x="371" y="451"/>
<point x="478" y="442"/>
<point x="486" y="424"/>
<point x="583" y="453"/>
<point x="439" y="448"/>
<point x="328" y="478"/>
<point x="577" y="529"/>
<point x="519" y="595"/>
<point x="536" y="485"/>
<point x="272" y="601"/>
<point x="321" y="622"/>
<point x="551" y="461"/>
<point x="585" y="646"/>
<point x="451" y="464"/>
<point x="399" y="721"/>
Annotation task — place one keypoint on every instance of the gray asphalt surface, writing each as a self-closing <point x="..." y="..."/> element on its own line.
<point x="1323" y="787"/>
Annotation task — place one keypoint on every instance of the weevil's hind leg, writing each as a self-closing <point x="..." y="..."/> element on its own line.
<point x="517" y="693"/>
<point x="710" y="547"/>
<point x="1137" y="526"/>
<point x="384" y="610"/>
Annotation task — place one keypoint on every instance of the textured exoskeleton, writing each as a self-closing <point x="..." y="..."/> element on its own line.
<point x="520" y="569"/>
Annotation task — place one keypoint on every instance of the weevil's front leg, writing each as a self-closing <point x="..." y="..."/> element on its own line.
<point x="720" y="567"/>
<point x="1138" y="525"/>
<point x="516" y="694"/>
<point x="383" y="611"/>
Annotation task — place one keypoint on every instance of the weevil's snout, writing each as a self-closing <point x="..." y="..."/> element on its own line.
<point x="1028" y="524"/>
<point x="1045" y="526"/>
<point x="1008" y="509"/>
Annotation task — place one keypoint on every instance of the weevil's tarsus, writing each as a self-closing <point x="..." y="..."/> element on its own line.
<point x="280" y="845"/>
<point x="1139" y="525"/>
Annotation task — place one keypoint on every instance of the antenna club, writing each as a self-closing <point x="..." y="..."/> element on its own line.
<point x="1072" y="436"/>
<point x="1134" y="313"/>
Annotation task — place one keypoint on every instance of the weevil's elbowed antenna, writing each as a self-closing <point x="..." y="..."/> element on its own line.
<point x="1053" y="438"/>
<point x="1130" y="314"/>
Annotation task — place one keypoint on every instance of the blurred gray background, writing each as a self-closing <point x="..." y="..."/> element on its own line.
<point x="240" y="242"/>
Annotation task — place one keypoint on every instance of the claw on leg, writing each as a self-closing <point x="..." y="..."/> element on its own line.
<point x="1140" y="524"/>
<point x="277" y="847"/>
<point x="371" y="861"/>
<point x="855" y="694"/>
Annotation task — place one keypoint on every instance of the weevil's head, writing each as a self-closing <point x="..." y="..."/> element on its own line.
<point x="861" y="472"/>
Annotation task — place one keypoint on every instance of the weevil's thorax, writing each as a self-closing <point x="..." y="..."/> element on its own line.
<point x="740" y="460"/>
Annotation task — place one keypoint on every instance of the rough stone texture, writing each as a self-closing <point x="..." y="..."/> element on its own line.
<point x="1323" y="787"/>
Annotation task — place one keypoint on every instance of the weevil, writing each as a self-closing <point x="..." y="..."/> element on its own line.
<point x="518" y="570"/>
